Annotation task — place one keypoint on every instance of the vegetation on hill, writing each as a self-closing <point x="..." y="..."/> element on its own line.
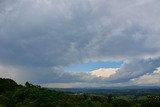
<point x="14" y="95"/>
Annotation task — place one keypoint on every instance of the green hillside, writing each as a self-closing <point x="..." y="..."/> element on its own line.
<point x="14" y="95"/>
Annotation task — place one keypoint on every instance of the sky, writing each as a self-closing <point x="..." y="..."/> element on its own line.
<point x="80" y="43"/>
<point x="90" y="66"/>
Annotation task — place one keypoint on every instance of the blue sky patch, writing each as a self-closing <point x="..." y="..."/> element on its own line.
<point x="94" y="65"/>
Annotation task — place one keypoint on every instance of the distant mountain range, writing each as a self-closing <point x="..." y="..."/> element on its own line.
<point x="118" y="91"/>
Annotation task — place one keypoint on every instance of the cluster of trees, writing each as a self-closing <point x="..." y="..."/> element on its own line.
<point x="14" y="95"/>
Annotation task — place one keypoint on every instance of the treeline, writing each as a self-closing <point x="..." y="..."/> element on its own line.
<point x="14" y="95"/>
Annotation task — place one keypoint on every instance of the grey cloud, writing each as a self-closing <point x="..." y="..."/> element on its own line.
<point x="136" y="68"/>
<point x="40" y="35"/>
<point x="148" y="79"/>
<point x="55" y="75"/>
<point x="42" y="39"/>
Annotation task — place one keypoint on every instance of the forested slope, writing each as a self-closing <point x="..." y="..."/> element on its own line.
<point x="14" y="95"/>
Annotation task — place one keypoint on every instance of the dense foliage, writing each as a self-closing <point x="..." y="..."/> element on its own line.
<point x="14" y="95"/>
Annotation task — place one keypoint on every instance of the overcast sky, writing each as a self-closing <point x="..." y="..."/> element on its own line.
<point x="43" y="41"/>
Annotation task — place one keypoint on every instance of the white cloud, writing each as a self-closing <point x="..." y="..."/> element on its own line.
<point x="104" y="72"/>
